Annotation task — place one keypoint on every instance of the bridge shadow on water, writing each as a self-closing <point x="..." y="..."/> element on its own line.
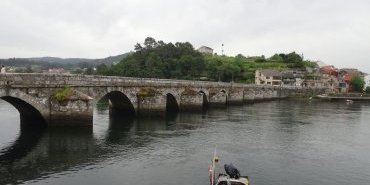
<point x="40" y="152"/>
<point x="27" y="140"/>
<point x="121" y="125"/>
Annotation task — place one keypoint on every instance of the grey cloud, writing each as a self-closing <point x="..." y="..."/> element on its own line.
<point x="334" y="31"/>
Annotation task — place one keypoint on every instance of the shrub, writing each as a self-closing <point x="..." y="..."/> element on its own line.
<point x="146" y="92"/>
<point x="367" y="90"/>
<point x="63" y="94"/>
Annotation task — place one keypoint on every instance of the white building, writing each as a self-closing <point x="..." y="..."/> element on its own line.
<point x="206" y="50"/>
<point x="268" y="77"/>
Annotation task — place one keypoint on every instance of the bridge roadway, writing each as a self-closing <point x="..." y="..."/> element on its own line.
<point x="33" y="95"/>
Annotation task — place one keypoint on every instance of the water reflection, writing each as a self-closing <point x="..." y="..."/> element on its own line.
<point x="27" y="140"/>
<point x="282" y="142"/>
<point x="37" y="152"/>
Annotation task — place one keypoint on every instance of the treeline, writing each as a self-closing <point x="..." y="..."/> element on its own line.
<point x="157" y="59"/>
<point x="74" y="65"/>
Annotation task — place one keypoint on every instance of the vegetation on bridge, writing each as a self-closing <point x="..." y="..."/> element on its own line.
<point x="63" y="94"/>
<point x="146" y="92"/>
<point x="157" y="59"/>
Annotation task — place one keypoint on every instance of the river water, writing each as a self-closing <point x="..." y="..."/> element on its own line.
<point x="274" y="143"/>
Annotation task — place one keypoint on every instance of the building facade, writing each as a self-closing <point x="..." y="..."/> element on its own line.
<point x="205" y="50"/>
<point x="268" y="77"/>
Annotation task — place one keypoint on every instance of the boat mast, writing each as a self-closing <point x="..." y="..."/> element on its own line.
<point x="214" y="166"/>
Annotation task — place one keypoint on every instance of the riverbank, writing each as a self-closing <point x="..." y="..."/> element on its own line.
<point x="345" y="96"/>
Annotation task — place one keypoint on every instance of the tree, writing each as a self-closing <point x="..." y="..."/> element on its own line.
<point x="367" y="90"/>
<point x="138" y="47"/>
<point x="89" y="71"/>
<point x="293" y="58"/>
<point x="150" y="43"/>
<point x="260" y="59"/>
<point x="276" y="58"/>
<point x="357" y="83"/>
<point x="240" y="56"/>
<point x="157" y="59"/>
<point x="102" y="69"/>
<point x="29" y="69"/>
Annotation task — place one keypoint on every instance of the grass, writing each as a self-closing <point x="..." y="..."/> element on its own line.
<point x="63" y="94"/>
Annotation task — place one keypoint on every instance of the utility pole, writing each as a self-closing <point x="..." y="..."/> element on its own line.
<point x="222" y="50"/>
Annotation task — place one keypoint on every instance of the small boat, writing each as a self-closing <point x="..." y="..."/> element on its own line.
<point x="322" y="96"/>
<point x="224" y="179"/>
<point x="349" y="101"/>
<point x="232" y="176"/>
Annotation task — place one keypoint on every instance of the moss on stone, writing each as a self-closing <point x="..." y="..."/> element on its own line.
<point x="63" y="94"/>
<point x="146" y="92"/>
<point x="189" y="91"/>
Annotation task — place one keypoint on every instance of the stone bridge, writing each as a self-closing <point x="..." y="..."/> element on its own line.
<point x="35" y="96"/>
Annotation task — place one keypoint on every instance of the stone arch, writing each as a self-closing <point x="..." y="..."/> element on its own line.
<point x="205" y="98"/>
<point x="173" y="92"/>
<point x="218" y="98"/>
<point x="172" y="104"/>
<point x="29" y="114"/>
<point x="226" y="93"/>
<point x="120" y="103"/>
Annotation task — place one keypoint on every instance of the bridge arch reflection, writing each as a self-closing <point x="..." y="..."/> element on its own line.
<point x="29" y="115"/>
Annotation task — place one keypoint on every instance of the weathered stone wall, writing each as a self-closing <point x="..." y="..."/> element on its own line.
<point x="77" y="110"/>
<point x="152" y="105"/>
<point x="249" y="96"/>
<point x="192" y="102"/>
<point x="33" y="93"/>
<point x="236" y="96"/>
<point x="218" y="98"/>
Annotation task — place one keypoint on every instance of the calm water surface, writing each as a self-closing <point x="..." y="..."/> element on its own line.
<point x="275" y="143"/>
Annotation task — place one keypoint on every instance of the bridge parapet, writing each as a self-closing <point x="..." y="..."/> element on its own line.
<point x="45" y="80"/>
<point x="37" y="91"/>
<point x="60" y="80"/>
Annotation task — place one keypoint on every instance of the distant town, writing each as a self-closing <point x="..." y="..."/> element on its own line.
<point x="337" y="80"/>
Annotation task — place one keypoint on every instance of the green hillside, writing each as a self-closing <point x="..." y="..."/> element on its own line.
<point x="157" y="59"/>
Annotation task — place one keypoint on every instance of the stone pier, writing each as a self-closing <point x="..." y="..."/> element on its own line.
<point x="236" y="96"/>
<point x="218" y="99"/>
<point x="192" y="102"/>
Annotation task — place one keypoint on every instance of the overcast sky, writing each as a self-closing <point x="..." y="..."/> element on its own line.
<point x="333" y="31"/>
